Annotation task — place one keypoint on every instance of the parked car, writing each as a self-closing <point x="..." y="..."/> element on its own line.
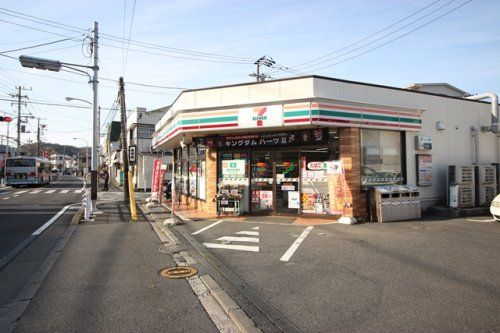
<point x="495" y="208"/>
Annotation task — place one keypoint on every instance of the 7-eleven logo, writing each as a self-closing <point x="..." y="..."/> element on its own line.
<point x="260" y="117"/>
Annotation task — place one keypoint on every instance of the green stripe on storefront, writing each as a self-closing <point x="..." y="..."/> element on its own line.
<point x="377" y="117"/>
<point x="208" y="120"/>
<point x="411" y="120"/>
<point x="339" y="114"/>
<point x="299" y="113"/>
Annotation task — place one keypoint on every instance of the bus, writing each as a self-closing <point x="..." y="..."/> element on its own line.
<point x="26" y="171"/>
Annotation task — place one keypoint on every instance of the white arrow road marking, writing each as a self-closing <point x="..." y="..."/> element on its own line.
<point x="206" y="228"/>
<point x="249" y="233"/>
<point x="232" y="247"/>
<point x="239" y="239"/>
<point x="288" y="254"/>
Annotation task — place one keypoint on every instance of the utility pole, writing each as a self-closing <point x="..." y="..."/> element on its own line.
<point x="38" y="139"/>
<point x="123" y="138"/>
<point x="19" y="103"/>
<point x="95" y="119"/>
<point x="265" y="61"/>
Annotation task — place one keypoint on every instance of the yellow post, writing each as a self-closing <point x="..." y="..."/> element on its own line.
<point x="133" y="209"/>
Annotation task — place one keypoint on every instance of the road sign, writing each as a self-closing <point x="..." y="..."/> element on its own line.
<point x="132" y="155"/>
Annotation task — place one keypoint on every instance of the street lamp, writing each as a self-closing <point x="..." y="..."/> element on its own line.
<point x="54" y="65"/>
<point x="86" y="155"/>
<point x="76" y="99"/>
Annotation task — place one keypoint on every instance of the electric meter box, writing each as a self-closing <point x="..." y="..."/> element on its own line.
<point x="423" y="142"/>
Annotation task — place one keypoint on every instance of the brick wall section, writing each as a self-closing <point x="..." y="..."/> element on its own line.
<point x="209" y="205"/>
<point x="350" y="154"/>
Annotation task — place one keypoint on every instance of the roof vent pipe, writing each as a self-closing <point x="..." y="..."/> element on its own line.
<point x="494" y="108"/>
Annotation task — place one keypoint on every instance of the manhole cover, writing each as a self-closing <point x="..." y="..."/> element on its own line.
<point x="178" y="272"/>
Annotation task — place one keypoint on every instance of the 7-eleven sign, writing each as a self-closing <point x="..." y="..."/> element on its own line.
<point x="261" y="116"/>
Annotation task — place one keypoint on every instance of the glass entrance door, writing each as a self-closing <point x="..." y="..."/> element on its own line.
<point x="262" y="181"/>
<point x="286" y="170"/>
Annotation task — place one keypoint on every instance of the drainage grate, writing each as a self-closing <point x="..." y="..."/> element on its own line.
<point x="178" y="272"/>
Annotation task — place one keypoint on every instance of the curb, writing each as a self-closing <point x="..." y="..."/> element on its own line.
<point x="237" y="315"/>
<point x="23" y="300"/>
<point x="230" y="308"/>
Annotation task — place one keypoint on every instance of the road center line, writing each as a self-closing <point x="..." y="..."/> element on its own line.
<point x="49" y="222"/>
<point x="206" y="228"/>
<point x="288" y="254"/>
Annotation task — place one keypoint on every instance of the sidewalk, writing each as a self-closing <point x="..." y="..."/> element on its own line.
<point x="107" y="280"/>
<point x="188" y="214"/>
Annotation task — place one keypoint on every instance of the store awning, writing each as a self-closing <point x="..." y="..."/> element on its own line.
<point x="281" y="117"/>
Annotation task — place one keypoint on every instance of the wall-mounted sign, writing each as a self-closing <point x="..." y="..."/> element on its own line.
<point x="424" y="170"/>
<point x="423" y="142"/>
<point x="262" y="116"/>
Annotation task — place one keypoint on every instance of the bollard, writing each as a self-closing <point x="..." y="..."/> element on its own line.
<point x="86" y="206"/>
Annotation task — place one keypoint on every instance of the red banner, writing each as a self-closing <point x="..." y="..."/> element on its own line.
<point x="156" y="179"/>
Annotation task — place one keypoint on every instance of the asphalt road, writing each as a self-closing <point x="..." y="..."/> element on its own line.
<point x="429" y="276"/>
<point x="27" y="233"/>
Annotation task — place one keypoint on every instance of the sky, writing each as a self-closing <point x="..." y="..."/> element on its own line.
<point x="161" y="47"/>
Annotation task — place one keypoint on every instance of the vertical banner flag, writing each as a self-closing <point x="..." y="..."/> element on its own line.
<point x="155" y="181"/>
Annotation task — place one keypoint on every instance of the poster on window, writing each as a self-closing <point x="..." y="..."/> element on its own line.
<point x="266" y="199"/>
<point x="293" y="199"/>
<point x="192" y="178"/>
<point x="338" y="194"/>
<point x="233" y="169"/>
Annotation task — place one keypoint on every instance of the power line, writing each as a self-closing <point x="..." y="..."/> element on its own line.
<point x="367" y="37"/>
<point x="129" y="35"/>
<point x="118" y="39"/>
<point x="380" y="38"/>
<point x="34" y="46"/>
<point x="394" y="39"/>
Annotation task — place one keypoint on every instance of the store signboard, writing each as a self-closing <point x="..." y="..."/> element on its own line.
<point x="233" y="169"/>
<point x="258" y="140"/>
<point x="262" y="116"/>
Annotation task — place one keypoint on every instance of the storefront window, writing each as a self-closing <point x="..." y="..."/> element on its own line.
<point x="233" y="177"/>
<point x="381" y="157"/>
<point x="315" y="197"/>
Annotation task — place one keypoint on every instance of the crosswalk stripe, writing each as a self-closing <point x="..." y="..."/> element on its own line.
<point x="239" y="239"/>
<point x="64" y="191"/>
<point x="6" y="198"/>
<point x="50" y="191"/>
<point x="35" y="191"/>
<point x="232" y="247"/>
<point x="21" y="192"/>
<point x="77" y="191"/>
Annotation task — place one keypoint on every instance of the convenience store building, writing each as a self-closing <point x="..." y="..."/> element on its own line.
<point x="314" y="145"/>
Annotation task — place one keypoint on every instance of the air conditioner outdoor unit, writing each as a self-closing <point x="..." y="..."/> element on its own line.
<point x="485" y="195"/>
<point x="466" y="196"/>
<point x="486" y="184"/>
<point x="460" y="174"/>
